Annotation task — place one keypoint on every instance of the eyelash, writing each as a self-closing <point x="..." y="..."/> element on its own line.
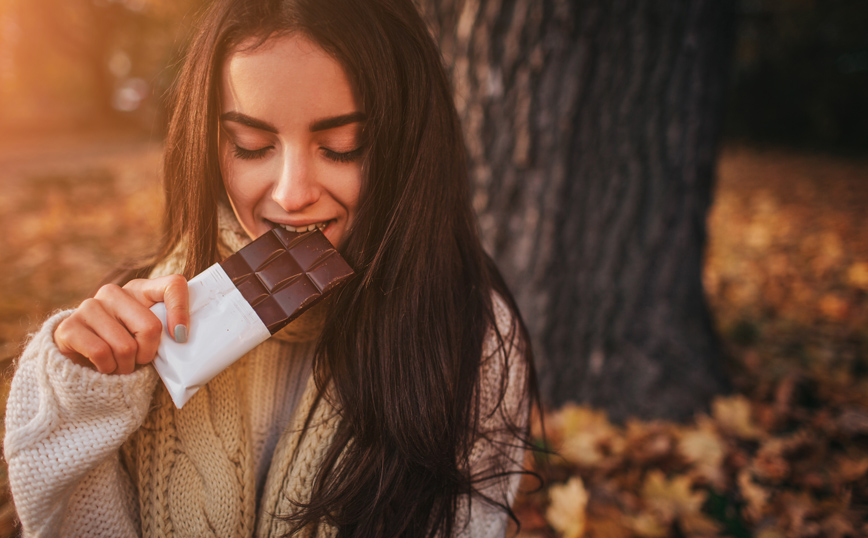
<point x="346" y="157"/>
<point x="250" y="154"/>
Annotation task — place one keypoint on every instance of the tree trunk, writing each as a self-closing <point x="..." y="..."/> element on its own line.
<point x="592" y="129"/>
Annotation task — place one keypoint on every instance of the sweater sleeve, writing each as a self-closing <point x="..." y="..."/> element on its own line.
<point x="64" y="426"/>
<point x="496" y="458"/>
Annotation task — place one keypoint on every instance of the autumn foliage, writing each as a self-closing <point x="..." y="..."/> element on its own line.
<point x="787" y="280"/>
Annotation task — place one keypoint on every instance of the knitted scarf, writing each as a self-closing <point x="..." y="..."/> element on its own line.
<point x="193" y="467"/>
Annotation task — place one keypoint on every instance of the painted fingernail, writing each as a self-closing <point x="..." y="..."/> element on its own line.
<point x="180" y="333"/>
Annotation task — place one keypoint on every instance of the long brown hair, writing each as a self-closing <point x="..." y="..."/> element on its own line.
<point x="402" y="345"/>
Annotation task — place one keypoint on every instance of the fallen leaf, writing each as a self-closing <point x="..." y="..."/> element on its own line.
<point x="704" y="449"/>
<point x="770" y="463"/>
<point x="649" y="442"/>
<point x="587" y="435"/>
<point x="698" y="525"/>
<point x="674" y="499"/>
<point x="647" y="525"/>
<point x="670" y="497"/>
<point x="733" y="414"/>
<point x="755" y="497"/>
<point x="797" y="509"/>
<point x="566" y="511"/>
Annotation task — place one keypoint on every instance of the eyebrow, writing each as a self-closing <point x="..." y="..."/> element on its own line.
<point x="244" y="119"/>
<point x="337" y="121"/>
<point x="319" y="125"/>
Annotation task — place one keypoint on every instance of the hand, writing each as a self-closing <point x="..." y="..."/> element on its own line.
<point x="115" y="330"/>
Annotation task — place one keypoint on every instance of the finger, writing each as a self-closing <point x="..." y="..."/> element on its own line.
<point x="171" y="290"/>
<point x="105" y="324"/>
<point x="177" y="299"/>
<point x="142" y="325"/>
<point x="76" y="340"/>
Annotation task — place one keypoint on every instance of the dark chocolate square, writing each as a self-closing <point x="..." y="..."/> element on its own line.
<point x="279" y="271"/>
<point x="286" y="237"/>
<point x="310" y="249"/>
<point x="261" y="251"/>
<point x="296" y="295"/>
<point x="252" y="290"/>
<point x="236" y="268"/>
<point x="282" y="307"/>
<point x="329" y="272"/>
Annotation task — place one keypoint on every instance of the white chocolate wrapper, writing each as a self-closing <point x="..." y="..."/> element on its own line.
<point x="223" y="327"/>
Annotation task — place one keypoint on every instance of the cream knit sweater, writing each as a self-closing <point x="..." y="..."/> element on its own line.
<point x="101" y="455"/>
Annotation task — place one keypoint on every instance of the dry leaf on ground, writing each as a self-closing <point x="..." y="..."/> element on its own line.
<point x="566" y="513"/>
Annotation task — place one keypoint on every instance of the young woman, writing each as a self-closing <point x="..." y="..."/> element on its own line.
<point x="397" y="408"/>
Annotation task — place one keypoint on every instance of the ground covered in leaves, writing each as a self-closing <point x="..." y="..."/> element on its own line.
<point x="787" y="455"/>
<point x="787" y="280"/>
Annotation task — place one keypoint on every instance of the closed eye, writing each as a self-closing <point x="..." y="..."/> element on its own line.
<point x="343" y="157"/>
<point x="250" y="154"/>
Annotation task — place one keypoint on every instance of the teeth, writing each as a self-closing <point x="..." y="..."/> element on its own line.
<point x="307" y="228"/>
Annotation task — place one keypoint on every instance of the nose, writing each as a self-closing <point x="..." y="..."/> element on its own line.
<point x="296" y="186"/>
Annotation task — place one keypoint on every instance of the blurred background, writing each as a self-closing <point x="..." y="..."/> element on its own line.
<point x="83" y="114"/>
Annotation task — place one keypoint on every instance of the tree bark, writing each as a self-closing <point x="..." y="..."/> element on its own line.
<point x="592" y="129"/>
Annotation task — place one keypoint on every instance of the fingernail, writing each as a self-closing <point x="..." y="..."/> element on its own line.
<point x="180" y="333"/>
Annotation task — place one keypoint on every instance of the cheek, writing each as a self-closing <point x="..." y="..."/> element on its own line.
<point x="350" y="191"/>
<point x="226" y="171"/>
<point x="237" y="181"/>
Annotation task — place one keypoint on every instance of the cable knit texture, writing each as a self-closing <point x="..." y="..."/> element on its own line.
<point x="98" y="455"/>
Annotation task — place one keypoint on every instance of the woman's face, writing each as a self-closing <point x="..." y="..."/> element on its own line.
<point x="290" y="139"/>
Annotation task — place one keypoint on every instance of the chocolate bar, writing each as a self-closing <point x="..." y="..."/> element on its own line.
<point x="282" y="274"/>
